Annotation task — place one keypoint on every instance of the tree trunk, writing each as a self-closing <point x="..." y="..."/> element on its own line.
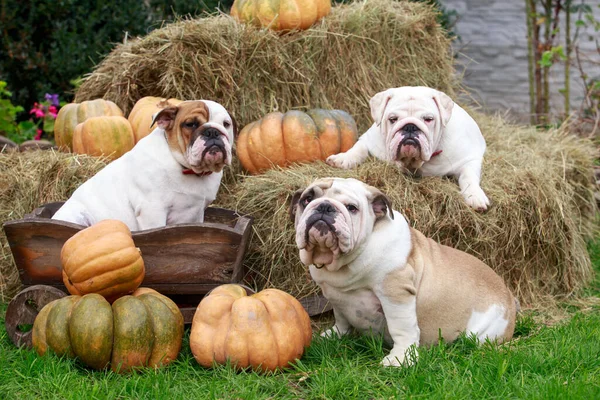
<point x="530" y="19"/>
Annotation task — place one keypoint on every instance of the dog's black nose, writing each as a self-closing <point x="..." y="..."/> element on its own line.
<point x="410" y="128"/>
<point x="326" y="208"/>
<point x="211" y="133"/>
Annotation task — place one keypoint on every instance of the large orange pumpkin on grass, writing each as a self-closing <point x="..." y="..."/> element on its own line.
<point x="73" y="114"/>
<point x="102" y="259"/>
<point x="145" y="329"/>
<point x="141" y="114"/>
<point x="110" y="136"/>
<point x="265" y="331"/>
<point x="295" y="137"/>
<point x="281" y="15"/>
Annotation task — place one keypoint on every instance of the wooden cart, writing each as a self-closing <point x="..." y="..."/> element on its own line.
<point x="183" y="262"/>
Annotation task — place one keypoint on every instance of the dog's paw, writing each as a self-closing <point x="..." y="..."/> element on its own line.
<point x="333" y="332"/>
<point x="404" y="358"/>
<point x="342" y="161"/>
<point x="476" y="198"/>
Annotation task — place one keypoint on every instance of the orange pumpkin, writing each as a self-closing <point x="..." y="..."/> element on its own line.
<point x="265" y="331"/>
<point x="281" y="15"/>
<point x="295" y="137"/>
<point x="102" y="259"/>
<point x="73" y="114"/>
<point x="110" y="136"/>
<point x="141" y="114"/>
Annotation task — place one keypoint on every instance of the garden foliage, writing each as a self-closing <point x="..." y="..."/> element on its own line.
<point x="45" y="44"/>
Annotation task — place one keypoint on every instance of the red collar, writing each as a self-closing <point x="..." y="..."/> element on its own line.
<point x="188" y="171"/>
<point x="436" y="153"/>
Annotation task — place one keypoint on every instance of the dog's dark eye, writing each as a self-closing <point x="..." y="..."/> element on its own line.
<point x="226" y="124"/>
<point x="352" y="208"/>
<point x="306" y="200"/>
<point x="393" y="120"/>
<point x="191" y="124"/>
<point x="428" y="118"/>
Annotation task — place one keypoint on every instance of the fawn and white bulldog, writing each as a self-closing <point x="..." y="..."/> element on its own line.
<point x="382" y="276"/>
<point x="424" y="132"/>
<point x="169" y="177"/>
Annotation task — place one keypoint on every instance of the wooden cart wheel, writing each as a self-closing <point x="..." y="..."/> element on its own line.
<point x="23" y="309"/>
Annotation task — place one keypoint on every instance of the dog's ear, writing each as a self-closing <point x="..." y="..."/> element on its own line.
<point x="445" y="105"/>
<point x="165" y="117"/>
<point x="378" y="104"/>
<point x="294" y="204"/>
<point x="381" y="205"/>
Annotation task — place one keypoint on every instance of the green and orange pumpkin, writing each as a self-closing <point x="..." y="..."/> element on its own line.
<point x="264" y="331"/>
<point x="280" y="15"/>
<point x="110" y="136"/>
<point x="73" y="114"/>
<point x="295" y="137"/>
<point x="142" y="330"/>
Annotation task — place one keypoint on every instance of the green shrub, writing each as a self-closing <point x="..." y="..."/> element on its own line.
<point x="44" y="44"/>
<point x="8" y="112"/>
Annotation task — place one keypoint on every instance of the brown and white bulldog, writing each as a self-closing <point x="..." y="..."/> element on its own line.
<point x="424" y="132"/>
<point x="382" y="276"/>
<point x="169" y="177"/>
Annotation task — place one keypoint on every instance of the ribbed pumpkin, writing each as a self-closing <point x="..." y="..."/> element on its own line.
<point x="295" y="137"/>
<point x="145" y="329"/>
<point x="265" y="331"/>
<point x="281" y="15"/>
<point x="110" y="136"/>
<point x="141" y="114"/>
<point x="73" y="114"/>
<point x="102" y="259"/>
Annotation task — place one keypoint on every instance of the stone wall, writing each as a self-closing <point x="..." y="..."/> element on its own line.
<point x="492" y="56"/>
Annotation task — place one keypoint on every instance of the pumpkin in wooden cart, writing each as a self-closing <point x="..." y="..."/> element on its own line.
<point x="110" y="136"/>
<point x="73" y="114"/>
<point x="142" y="112"/>
<point x="142" y="330"/>
<point x="102" y="259"/>
<point x="295" y="137"/>
<point x="265" y="331"/>
<point x="281" y="15"/>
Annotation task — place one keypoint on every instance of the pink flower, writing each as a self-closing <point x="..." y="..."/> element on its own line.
<point x="37" y="111"/>
<point x="52" y="111"/>
<point x="38" y="136"/>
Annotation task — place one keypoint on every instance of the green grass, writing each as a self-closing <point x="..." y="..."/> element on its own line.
<point x="543" y="362"/>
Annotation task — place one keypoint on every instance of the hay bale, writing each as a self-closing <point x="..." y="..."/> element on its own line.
<point x="534" y="235"/>
<point x="28" y="180"/>
<point x="355" y="52"/>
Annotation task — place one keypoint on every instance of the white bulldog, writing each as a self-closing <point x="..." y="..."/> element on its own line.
<point x="169" y="177"/>
<point x="382" y="276"/>
<point x="423" y="131"/>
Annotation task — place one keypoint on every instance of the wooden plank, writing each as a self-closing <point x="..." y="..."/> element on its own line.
<point x="36" y="245"/>
<point x="205" y="254"/>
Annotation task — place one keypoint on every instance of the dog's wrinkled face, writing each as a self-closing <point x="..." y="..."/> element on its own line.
<point x="411" y="119"/>
<point x="333" y="217"/>
<point x="200" y="134"/>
